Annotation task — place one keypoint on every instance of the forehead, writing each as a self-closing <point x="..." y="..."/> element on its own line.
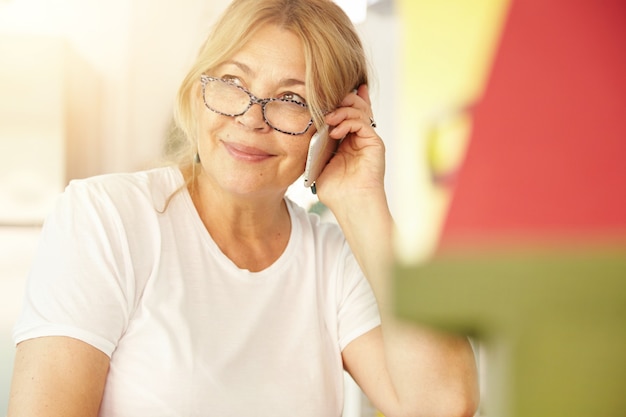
<point x="272" y="52"/>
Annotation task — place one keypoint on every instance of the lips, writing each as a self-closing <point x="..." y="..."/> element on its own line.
<point x="246" y="153"/>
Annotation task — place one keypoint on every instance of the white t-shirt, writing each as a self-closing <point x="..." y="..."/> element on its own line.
<point x="188" y="332"/>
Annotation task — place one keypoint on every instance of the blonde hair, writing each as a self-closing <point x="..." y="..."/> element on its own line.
<point x="334" y="57"/>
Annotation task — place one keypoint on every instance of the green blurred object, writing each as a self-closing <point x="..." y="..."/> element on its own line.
<point x="552" y="321"/>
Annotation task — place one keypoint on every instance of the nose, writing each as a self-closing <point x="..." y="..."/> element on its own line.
<point x="253" y="118"/>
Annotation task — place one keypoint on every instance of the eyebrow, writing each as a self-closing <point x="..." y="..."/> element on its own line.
<point x="286" y="82"/>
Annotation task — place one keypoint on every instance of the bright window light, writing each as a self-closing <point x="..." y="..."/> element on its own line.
<point x="355" y="9"/>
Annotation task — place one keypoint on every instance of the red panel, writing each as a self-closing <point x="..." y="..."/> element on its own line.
<point x="548" y="153"/>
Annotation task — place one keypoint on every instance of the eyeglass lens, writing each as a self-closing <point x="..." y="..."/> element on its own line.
<point x="228" y="99"/>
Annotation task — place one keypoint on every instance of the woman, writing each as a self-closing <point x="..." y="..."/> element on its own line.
<point x="200" y="289"/>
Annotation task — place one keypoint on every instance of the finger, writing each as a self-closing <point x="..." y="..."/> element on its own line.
<point x="360" y="99"/>
<point x="357" y="98"/>
<point x="343" y="114"/>
<point x="364" y="92"/>
<point x="357" y="126"/>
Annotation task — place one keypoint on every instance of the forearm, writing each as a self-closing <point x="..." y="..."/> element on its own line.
<point x="431" y="373"/>
<point x="368" y="226"/>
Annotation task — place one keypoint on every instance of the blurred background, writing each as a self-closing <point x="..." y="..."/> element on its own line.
<point x="505" y="123"/>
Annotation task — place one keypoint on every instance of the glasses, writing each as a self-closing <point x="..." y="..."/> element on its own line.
<point x="228" y="99"/>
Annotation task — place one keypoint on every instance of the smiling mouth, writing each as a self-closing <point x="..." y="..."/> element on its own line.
<point x="246" y="153"/>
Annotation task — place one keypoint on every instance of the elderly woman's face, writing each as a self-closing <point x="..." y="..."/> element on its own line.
<point x="244" y="154"/>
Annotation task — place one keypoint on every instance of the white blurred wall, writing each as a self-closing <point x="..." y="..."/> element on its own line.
<point x="134" y="53"/>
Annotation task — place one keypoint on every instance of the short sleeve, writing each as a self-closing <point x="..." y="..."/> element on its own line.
<point x="80" y="284"/>
<point x="357" y="308"/>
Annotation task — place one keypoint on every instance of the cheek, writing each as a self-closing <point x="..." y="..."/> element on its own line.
<point x="301" y="149"/>
<point x="204" y="117"/>
<point x="207" y="122"/>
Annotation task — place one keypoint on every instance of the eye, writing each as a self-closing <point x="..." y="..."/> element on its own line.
<point x="231" y="79"/>
<point x="293" y="97"/>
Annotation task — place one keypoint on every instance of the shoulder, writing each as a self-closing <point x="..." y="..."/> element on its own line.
<point x="131" y="181"/>
<point x="130" y="192"/>
<point x="114" y="201"/>
<point x="322" y="236"/>
<point x="317" y="222"/>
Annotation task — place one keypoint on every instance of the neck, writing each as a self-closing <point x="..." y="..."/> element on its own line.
<point x="252" y="230"/>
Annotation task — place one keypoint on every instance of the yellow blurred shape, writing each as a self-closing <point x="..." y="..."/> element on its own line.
<point x="447" y="47"/>
<point x="447" y="51"/>
<point x="447" y="143"/>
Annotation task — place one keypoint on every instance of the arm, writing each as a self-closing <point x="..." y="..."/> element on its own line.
<point x="404" y="369"/>
<point x="57" y="376"/>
